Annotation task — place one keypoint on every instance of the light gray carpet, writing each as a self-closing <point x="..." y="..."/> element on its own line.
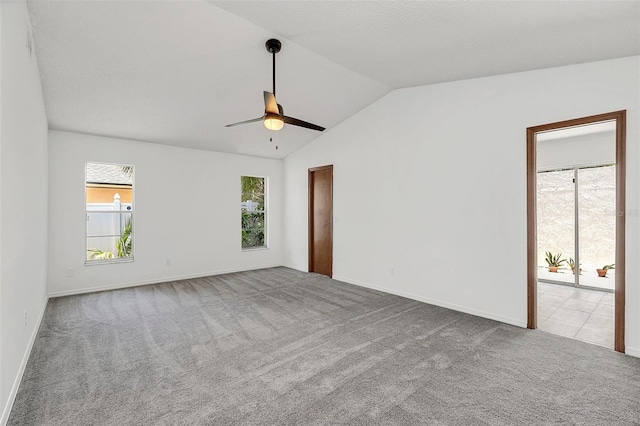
<point x="281" y="347"/>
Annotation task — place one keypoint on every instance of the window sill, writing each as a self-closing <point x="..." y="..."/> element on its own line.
<point x="255" y="249"/>
<point x="108" y="261"/>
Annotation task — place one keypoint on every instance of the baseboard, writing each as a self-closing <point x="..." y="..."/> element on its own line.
<point x="295" y="268"/>
<point x="154" y="281"/>
<point x="511" y="321"/>
<point x="23" y="365"/>
<point x="635" y="352"/>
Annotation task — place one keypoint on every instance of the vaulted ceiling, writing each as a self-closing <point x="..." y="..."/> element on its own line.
<point x="175" y="72"/>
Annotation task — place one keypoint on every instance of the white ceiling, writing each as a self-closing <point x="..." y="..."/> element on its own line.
<point x="175" y="72"/>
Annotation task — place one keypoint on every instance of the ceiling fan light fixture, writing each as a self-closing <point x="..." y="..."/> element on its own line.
<point x="273" y="121"/>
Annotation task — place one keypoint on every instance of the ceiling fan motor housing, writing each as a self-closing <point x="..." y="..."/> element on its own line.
<point x="273" y="45"/>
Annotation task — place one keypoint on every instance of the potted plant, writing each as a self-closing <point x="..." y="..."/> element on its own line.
<point x="572" y="265"/>
<point x="603" y="272"/>
<point x="554" y="261"/>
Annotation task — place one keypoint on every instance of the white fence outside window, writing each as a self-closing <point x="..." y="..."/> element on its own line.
<point x="106" y="223"/>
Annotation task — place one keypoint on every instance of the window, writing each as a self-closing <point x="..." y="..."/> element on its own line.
<point x="109" y="212"/>
<point x="253" y="212"/>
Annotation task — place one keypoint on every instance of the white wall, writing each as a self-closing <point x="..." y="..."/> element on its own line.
<point x="583" y="151"/>
<point x="431" y="181"/>
<point x="186" y="207"/>
<point x="23" y="199"/>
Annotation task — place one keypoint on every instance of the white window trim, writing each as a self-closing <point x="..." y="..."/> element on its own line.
<point x="128" y="259"/>
<point x="267" y="207"/>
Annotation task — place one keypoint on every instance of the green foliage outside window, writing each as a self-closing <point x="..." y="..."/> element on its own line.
<point x="253" y="212"/>
<point x="123" y="246"/>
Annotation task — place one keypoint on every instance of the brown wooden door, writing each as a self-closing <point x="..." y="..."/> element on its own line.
<point x="321" y="220"/>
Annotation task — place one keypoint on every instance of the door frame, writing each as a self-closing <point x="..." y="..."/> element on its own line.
<point x="532" y="277"/>
<point x="310" y="209"/>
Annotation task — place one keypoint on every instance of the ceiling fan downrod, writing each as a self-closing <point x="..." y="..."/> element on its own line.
<point x="273" y="46"/>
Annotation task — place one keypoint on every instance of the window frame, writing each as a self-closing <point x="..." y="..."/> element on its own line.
<point x="113" y="260"/>
<point x="265" y="213"/>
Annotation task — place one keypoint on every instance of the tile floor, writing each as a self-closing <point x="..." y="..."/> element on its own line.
<point x="577" y="313"/>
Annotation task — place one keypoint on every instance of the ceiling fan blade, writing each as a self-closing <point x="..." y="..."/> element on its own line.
<point x="270" y="104"/>
<point x="300" y="123"/>
<point x="253" y="120"/>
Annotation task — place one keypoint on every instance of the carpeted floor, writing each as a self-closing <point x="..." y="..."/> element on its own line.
<point x="281" y="347"/>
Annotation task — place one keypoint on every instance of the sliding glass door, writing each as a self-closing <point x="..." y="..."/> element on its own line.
<point x="556" y="225"/>
<point x="576" y="226"/>
<point x="596" y="207"/>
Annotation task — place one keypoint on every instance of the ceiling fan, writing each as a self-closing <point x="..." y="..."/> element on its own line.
<point x="274" y="118"/>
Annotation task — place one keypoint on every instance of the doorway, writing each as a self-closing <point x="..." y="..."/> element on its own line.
<point x="579" y="180"/>
<point x="321" y="220"/>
